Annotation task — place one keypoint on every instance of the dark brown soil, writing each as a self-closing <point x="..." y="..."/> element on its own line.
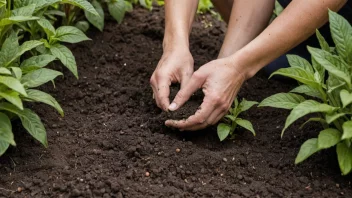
<point x="113" y="133"/>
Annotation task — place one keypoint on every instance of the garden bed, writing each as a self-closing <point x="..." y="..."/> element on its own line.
<point x="113" y="133"/>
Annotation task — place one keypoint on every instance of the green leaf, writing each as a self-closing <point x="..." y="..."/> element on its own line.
<point x="341" y="32"/>
<point x="24" y="11"/>
<point x="70" y="34"/>
<point x="5" y="71"/>
<point x="320" y="69"/>
<point x="28" y="45"/>
<point x="47" y="27"/>
<point x="323" y="44"/>
<point x="230" y="117"/>
<point x="6" y="134"/>
<point x="16" y="19"/>
<point x="347" y="130"/>
<point x="96" y="20"/>
<point x="30" y="121"/>
<point x="298" y="74"/>
<point x="282" y="100"/>
<point x="39" y="4"/>
<point x="17" y="72"/>
<point x="305" y="89"/>
<point x="128" y="6"/>
<point x="84" y="4"/>
<point x="117" y="10"/>
<point x="344" y="156"/>
<point x="9" y="49"/>
<point x="321" y="120"/>
<point x="66" y="57"/>
<point x="245" y="105"/>
<point x="13" y="83"/>
<point x="3" y="147"/>
<point x="223" y="131"/>
<point x="304" y="108"/>
<point x="332" y="63"/>
<point x="328" y="138"/>
<point x="12" y="97"/>
<point x="296" y="61"/>
<point x="37" y="61"/>
<point x="346" y="98"/>
<point x="330" y="118"/>
<point x="39" y="77"/>
<point x="245" y="124"/>
<point x="82" y="25"/>
<point x="45" y="98"/>
<point x="307" y="149"/>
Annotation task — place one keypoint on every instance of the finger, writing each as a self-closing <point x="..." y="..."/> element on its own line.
<point x="163" y="92"/>
<point x="196" y="120"/>
<point x="185" y="78"/>
<point x="196" y="82"/>
<point x="219" y="113"/>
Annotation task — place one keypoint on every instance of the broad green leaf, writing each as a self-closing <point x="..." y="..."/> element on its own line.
<point x="330" y="118"/>
<point x="149" y="4"/>
<point x="128" y="6"/>
<point x="334" y="84"/>
<point x="347" y="130"/>
<point x="332" y="63"/>
<point x="304" y="108"/>
<point x="5" y="71"/>
<point x="344" y="156"/>
<point x="245" y="105"/>
<point x="15" y="53"/>
<point x="6" y="134"/>
<point x="84" y="4"/>
<point x="47" y="27"/>
<point x="43" y="97"/>
<point x="17" y="72"/>
<point x="13" y="84"/>
<point x="346" y="98"/>
<point x="3" y="147"/>
<point x="13" y="97"/>
<point x="30" y="121"/>
<point x="70" y="34"/>
<point x="328" y="138"/>
<point x="298" y="74"/>
<point x="245" y="124"/>
<point x="39" y="77"/>
<point x="38" y="61"/>
<point x="320" y="69"/>
<point x="307" y="149"/>
<point x="39" y="4"/>
<point x="26" y="46"/>
<point x="223" y="131"/>
<point x="66" y="57"/>
<point x="9" y="49"/>
<point x="296" y="61"/>
<point x="117" y="10"/>
<point x="16" y="19"/>
<point x="282" y="100"/>
<point x="24" y="11"/>
<point x="82" y="25"/>
<point x="307" y="90"/>
<point x="341" y="32"/>
<point x="323" y="44"/>
<point x="96" y="20"/>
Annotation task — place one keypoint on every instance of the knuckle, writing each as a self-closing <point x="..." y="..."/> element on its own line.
<point x="197" y="76"/>
<point x="200" y="120"/>
<point x="152" y="80"/>
<point x="180" y="95"/>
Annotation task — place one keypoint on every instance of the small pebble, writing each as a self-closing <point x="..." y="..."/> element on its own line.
<point x="224" y="159"/>
<point x="19" y="189"/>
<point x="178" y="150"/>
<point x="147" y="174"/>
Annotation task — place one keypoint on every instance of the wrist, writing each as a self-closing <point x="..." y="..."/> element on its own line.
<point x="244" y="63"/>
<point x="174" y="41"/>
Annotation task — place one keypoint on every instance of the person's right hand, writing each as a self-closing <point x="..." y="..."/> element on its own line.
<point x="175" y="66"/>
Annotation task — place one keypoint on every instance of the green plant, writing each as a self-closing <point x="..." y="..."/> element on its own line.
<point x="231" y="120"/>
<point x="327" y="81"/>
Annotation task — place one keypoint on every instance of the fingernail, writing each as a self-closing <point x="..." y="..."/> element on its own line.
<point x="172" y="106"/>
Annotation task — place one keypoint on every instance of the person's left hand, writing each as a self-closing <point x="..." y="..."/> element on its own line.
<point x="220" y="81"/>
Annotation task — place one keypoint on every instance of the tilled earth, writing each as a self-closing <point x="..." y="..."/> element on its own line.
<point x="112" y="135"/>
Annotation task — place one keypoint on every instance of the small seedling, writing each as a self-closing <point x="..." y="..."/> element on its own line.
<point x="231" y="120"/>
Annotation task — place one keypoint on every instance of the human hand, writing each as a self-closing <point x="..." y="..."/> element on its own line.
<point x="220" y="81"/>
<point x="175" y="66"/>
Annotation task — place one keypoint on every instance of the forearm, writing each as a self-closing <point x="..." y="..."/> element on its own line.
<point x="179" y="15"/>
<point x="248" y="19"/>
<point x="294" y="25"/>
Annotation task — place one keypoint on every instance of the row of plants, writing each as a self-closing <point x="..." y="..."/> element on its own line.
<point x="325" y="90"/>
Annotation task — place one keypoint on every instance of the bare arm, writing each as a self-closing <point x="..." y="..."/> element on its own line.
<point x="295" y="24"/>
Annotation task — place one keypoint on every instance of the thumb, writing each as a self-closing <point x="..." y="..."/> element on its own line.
<point x="195" y="83"/>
